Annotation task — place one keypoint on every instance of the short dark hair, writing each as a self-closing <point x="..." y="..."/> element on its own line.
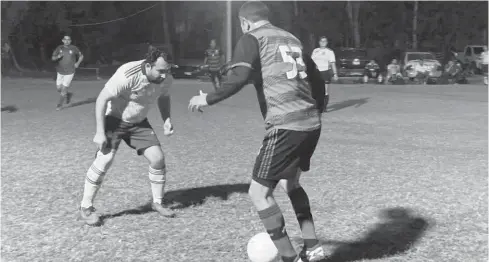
<point x="254" y="11"/>
<point x="153" y="55"/>
<point x="323" y="37"/>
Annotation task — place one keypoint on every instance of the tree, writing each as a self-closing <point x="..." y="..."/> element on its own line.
<point x="353" y="9"/>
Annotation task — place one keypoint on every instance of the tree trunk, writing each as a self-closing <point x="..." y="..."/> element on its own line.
<point x="415" y="25"/>
<point x="353" y="10"/>
<point x="166" y="28"/>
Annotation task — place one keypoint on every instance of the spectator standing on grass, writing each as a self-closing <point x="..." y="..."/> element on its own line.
<point x="6" y="59"/>
<point x="326" y="63"/>
<point x="213" y="61"/>
<point x="291" y="95"/>
<point x="65" y="56"/>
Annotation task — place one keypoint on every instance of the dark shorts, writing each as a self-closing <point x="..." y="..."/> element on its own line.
<point x="327" y="75"/>
<point x="138" y="136"/>
<point x="214" y="75"/>
<point x="281" y="150"/>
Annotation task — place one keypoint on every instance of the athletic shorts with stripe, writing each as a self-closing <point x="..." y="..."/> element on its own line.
<point x="138" y="136"/>
<point x="281" y="149"/>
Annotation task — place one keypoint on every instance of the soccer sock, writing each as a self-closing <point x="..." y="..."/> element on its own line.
<point x="302" y="209"/>
<point x="274" y="223"/>
<point x="61" y="100"/>
<point x="326" y="100"/>
<point x="157" y="178"/>
<point x="93" y="180"/>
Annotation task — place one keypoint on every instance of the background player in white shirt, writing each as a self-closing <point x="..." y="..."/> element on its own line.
<point x="120" y="113"/>
<point x="326" y="63"/>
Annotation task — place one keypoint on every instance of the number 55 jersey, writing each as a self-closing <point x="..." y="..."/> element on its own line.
<point x="282" y="80"/>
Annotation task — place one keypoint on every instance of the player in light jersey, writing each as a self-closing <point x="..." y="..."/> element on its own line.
<point x="326" y="63"/>
<point x="120" y="112"/>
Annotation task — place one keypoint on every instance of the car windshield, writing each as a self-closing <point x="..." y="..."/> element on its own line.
<point x="353" y="53"/>
<point x="420" y="56"/>
<point x="478" y="50"/>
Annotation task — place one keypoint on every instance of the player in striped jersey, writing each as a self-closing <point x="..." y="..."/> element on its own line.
<point x="121" y="114"/>
<point x="291" y="96"/>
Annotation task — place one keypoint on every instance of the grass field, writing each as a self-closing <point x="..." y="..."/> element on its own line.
<point x="400" y="174"/>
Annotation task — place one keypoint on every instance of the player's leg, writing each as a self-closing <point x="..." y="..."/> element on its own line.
<point x="299" y="198"/>
<point x="59" y="88"/>
<point x="96" y="173"/>
<point x="144" y="140"/>
<point x="213" y="75"/>
<point x="67" y="84"/>
<point x="272" y="159"/>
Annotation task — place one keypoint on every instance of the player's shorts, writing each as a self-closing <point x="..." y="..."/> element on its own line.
<point x="327" y="75"/>
<point x="64" y="80"/>
<point x="138" y="136"/>
<point x="280" y="151"/>
<point x="214" y="74"/>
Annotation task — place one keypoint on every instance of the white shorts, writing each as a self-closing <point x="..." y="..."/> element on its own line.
<point x="64" y="80"/>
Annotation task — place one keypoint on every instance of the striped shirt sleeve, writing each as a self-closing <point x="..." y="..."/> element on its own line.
<point x="118" y="84"/>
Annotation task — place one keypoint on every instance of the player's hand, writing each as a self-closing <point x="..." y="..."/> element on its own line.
<point x="100" y="140"/>
<point x="77" y="65"/>
<point x="335" y="78"/>
<point x="197" y="102"/>
<point x="168" y="128"/>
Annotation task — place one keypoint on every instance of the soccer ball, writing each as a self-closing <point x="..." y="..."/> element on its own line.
<point x="261" y="248"/>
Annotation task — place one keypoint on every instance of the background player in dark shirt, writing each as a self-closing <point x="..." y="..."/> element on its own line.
<point x="290" y="92"/>
<point x="213" y="62"/>
<point x="66" y="60"/>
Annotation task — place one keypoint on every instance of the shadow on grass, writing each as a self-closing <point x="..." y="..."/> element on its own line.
<point x="83" y="102"/>
<point x="347" y="103"/>
<point x="9" y="109"/>
<point x="184" y="198"/>
<point x="395" y="234"/>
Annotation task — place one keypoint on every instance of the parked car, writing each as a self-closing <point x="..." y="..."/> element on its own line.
<point x="471" y="58"/>
<point x="414" y="61"/>
<point x="351" y="61"/>
<point x="189" y="68"/>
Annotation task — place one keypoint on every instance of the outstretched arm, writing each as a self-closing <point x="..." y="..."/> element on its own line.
<point x="245" y="55"/>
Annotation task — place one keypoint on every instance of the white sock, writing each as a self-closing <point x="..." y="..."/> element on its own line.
<point x="157" y="178"/>
<point x="93" y="181"/>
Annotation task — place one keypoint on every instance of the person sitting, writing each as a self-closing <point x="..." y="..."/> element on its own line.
<point x="393" y="72"/>
<point x="372" y="70"/>
<point x="453" y="73"/>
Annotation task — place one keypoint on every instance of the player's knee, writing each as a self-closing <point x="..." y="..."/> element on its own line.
<point x="157" y="162"/>
<point x="104" y="160"/>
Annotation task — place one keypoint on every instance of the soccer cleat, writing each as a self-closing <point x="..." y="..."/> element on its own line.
<point x="314" y="255"/>
<point x="59" y="107"/>
<point x="89" y="216"/>
<point x="68" y="97"/>
<point x="164" y="211"/>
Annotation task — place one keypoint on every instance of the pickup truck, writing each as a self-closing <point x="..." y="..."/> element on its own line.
<point x="471" y="58"/>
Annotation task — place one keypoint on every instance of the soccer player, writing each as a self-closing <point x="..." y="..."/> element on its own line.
<point x="213" y="61"/>
<point x="66" y="64"/>
<point x="120" y="113"/>
<point x="326" y="63"/>
<point x="291" y="96"/>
